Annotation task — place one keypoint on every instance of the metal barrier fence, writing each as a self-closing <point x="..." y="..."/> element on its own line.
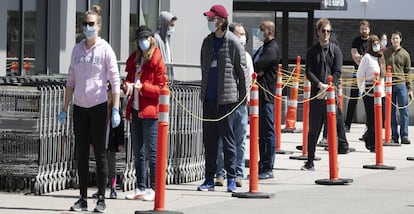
<point x="185" y="149"/>
<point x="38" y="154"/>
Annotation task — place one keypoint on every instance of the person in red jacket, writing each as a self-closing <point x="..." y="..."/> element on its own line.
<point x="145" y="79"/>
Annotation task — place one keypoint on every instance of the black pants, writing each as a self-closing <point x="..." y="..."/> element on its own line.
<point x="351" y="107"/>
<point x="212" y="131"/>
<point x="90" y="128"/>
<point x="317" y="116"/>
<point x="369" y="112"/>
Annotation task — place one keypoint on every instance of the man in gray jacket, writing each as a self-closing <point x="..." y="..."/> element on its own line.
<point x="166" y="26"/>
<point x="223" y="87"/>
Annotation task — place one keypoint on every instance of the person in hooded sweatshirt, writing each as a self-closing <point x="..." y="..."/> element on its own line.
<point x="92" y="64"/>
<point x="166" y="26"/>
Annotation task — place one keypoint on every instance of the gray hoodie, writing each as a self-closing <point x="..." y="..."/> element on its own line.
<point x="163" y="40"/>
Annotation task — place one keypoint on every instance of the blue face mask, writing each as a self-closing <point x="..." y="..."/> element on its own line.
<point x="212" y="26"/>
<point x="260" y="36"/>
<point x="144" y="44"/>
<point x="89" y="32"/>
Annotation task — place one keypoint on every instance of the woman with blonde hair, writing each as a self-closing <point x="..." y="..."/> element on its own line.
<point x="93" y="63"/>
<point x="145" y="79"/>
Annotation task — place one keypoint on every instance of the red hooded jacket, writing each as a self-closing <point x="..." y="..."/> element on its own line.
<point x="153" y="78"/>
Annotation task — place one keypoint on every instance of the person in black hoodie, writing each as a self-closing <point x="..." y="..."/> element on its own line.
<point x="114" y="143"/>
<point x="265" y="62"/>
<point x="324" y="58"/>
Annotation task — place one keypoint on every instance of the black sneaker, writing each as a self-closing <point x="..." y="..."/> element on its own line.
<point x="95" y="195"/>
<point x="395" y="140"/>
<point x="307" y="167"/>
<point x="80" y="205"/>
<point x="113" y="194"/>
<point x="100" y="205"/>
<point x="266" y="175"/>
<point x="405" y="140"/>
<point x="347" y="128"/>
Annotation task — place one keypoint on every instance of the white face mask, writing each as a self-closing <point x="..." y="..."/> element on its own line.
<point x="260" y="36"/>
<point x="384" y="43"/>
<point x="144" y="44"/>
<point x="170" y="31"/>
<point x="243" y="40"/>
<point x="212" y="26"/>
<point x="376" y="48"/>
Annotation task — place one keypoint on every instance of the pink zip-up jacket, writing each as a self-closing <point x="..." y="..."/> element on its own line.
<point x="89" y="71"/>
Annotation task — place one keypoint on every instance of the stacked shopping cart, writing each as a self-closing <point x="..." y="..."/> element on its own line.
<point x="37" y="152"/>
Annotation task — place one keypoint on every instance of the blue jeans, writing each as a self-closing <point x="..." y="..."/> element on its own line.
<point x="144" y="145"/>
<point x="399" y="96"/>
<point x="240" y="132"/>
<point x="267" y="138"/>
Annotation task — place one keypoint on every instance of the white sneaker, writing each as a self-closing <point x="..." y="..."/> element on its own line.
<point x="137" y="194"/>
<point x="150" y="195"/>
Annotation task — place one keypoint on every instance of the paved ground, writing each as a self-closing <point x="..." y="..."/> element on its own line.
<point x="373" y="191"/>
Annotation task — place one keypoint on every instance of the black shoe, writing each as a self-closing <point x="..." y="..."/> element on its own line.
<point x="113" y="194"/>
<point x="299" y="148"/>
<point x="266" y="175"/>
<point x="80" y="205"/>
<point x="343" y="148"/>
<point x="405" y="140"/>
<point x="308" y="167"/>
<point x="100" y="205"/>
<point x="347" y="128"/>
<point x="370" y="147"/>
<point x="395" y="140"/>
<point x="362" y="138"/>
<point x="95" y="195"/>
<point x="342" y="152"/>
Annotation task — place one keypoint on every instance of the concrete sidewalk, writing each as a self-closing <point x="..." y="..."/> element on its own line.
<point x="373" y="191"/>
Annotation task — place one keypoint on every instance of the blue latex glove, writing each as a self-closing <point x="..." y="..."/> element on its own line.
<point x="62" y="117"/>
<point x="116" y="118"/>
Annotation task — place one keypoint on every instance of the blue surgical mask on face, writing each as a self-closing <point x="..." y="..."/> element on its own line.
<point x="89" y="31"/>
<point x="376" y="48"/>
<point x="144" y="44"/>
<point x="260" y="36"/>
<point x="212" y="26"/>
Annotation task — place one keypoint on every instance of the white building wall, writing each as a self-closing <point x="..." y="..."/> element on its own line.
<point x="191" y="29"/>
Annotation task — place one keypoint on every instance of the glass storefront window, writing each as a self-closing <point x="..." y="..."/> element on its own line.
<point x="142" y="12"/>
<point x="81" y="7"/>
<point x="32" y="39"/>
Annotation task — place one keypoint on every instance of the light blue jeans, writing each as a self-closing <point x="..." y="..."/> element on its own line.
<point x="240" y="132"/>
<point x="399" y="96"/>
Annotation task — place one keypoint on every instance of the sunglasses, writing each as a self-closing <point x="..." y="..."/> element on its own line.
<point x="326" y="31"/>
<point x="91" y="24"/>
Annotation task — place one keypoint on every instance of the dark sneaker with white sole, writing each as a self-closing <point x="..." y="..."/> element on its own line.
<point x="100" y="205"/>
<point x="308" y="167"/>
<point x="80" y="205"/>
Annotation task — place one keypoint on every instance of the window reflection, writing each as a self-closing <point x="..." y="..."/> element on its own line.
<point x="29" y="37"/>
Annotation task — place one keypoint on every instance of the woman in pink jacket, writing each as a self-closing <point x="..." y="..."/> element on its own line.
<point x="145" y="79"/>
<point x="93" y="63"/>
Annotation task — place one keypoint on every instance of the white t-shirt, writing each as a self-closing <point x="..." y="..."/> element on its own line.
<point x="367" y="69"/>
